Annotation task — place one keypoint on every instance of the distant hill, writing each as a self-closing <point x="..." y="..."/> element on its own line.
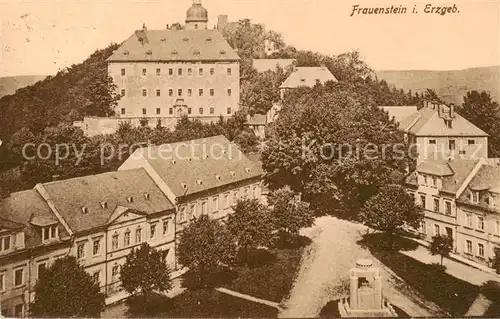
<point x="450" y="85"/>
<point x="9" y="84"/>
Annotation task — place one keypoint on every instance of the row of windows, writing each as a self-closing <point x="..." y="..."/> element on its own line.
<point x="451" y="143"/>
<point x="180" y="71"/>
<point x="469" y="221"/>
<point x="50" y="233"/>
<point x="436" y="204"/>
<point x="229" y="92"/>
<point x="171" y="111"/>
<point x="229" y="199"/>
<point x="18" y="279"/>
<point x="479" y="251"/>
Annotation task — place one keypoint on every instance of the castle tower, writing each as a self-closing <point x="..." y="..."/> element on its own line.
<point x="196" y="17"/>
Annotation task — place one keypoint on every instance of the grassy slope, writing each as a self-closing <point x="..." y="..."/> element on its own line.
<point x="450" y="85"/>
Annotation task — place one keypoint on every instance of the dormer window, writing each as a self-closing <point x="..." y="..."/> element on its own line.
<point x="173" y="162"/>
<point x="302" y="80"/>
<point x="475" y="197"/>
<point x="104" y="205"/>
<point x="130" y="199"/>
<point x="147" y="196"/>
<point x="185" y="39"/>
<point x="50" y="233"/>
<point x="209" y="39"/>
<point x="199" y="182"/>
<point x="149" y="52"/>
<point x="189" y="159"/>
<point x="232" y="173"/>
<point x="217" y="177"/>
<point x="222" y="52"/>
<point x="196" y="52"/>
<point x="125" y="53"/>
<point x="85" y="210"/>
<point x="183" y="185"/>
<point x="175" y="52"/>
<point x="163" y="39"/>
<point x="247" y="169"/>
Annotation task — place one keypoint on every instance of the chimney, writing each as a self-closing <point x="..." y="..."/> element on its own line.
<point x="168" y="26"/>
<point x="144" y="27"/>
<point x="452" y="110"/>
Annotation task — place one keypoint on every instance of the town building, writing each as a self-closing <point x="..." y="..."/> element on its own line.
<point x="306" y="76"/>
<point x="436" y="184"/>
<point x="203" y="176"/>
<point x="478" y="215"/>
<point x="163" y="75"/>
<point x="98" y="219"/>
<point x="257" y="123"/>
<point x="437" y="129"/>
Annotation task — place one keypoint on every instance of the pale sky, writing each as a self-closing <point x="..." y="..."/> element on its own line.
<point x="41" y="37"/>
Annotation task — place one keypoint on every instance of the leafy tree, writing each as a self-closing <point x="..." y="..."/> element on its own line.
<point x="333" y="145"/>
<point x="441" y="245"/>
<point x="289" y="213"/>
<point x="205" y="245"/>
<point x="391" y="209"/>
<point x="495" y="263"/>
<point x="65" y="290"/>
<point x="483" y="112"/>
<point x="247" y="141"/>
<point x="251" y="225"/>
<point x="146" y="271"/>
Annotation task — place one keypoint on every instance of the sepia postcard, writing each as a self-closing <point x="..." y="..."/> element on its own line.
<point x="249" y="158"/>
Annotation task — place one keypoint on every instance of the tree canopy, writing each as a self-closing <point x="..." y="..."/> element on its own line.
<point x="65" y="290"/>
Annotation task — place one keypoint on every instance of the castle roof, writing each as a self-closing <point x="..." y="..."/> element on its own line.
<point x="308" y="76"/>
<point x="174" y="45"/>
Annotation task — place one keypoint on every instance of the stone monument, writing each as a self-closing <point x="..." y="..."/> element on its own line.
<point x="365" y="293"/>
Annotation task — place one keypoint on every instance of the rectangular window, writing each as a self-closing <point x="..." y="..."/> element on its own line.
<point x="471" y="142"/>
<point x="40" y="269"/>
<point x="153" y="230"/>
<point x="143" y="111"/>
<point x="2" y="282"/>
<point x="123" y="110"/>
<point x="468" y="220"/>
<point x="81" y="250"/>
<point x="212" y="110"/>
<point x="447" y="208"/>
<point x="157" y="110"/>
<point x="144" y="92"/>
<point x="170" y="111"/>
<point x="143" y="71"/>
<point x="228" y="110"/>
<point x="123" y="71"/>
<point x="170" y="71"/>
<point x="201" y="110"/>
<point x="158" y="92"/>
<point x="212" y="92"/>
<point x="49" y="233"/>
<point x="179" y="71"/>
<point x="480" y="250"/>
<point x="6" y="243"/>
<point x="212" y="71"/>
<point x="115" y="271"/>
<point x="451" y="145"/>
<point x="203" y="207"/>
<point x="138" y="236"/>
<point x="436" y="230"/>
<point x="436" y="205"/>
<point x="190" y="92"/>
<point x="189" y="110"/>
<point x="434" y="182"/>
<point x="229" y="71"/>
<point x="170" y="92"/>
<point x="229" y="92"/>
<point x="468" y="246"/>
<point x="191" y="211"/>
<point x="475" y="197"/>
<point x="215" y="204"/>
<point x="432" y="141"/>
<point x="190" y="71"/>
<point x="179" y="92"/>
<point x="18" y="277"/>
<point x="126" y="239"/>
<point x="200" y="92"/>
<point x="423" y="227"/>
<point x="480" y="222"/>
<point x="158" y="72"/>
<point x="422" y="200"/>
<point x="96" y="276"/>
<point x="235" y="197"/>
<point x="96" y="247"/>
<point x="166" y="226"/>
<point x="114" y="242"/>
<point x="200" y="71"/>
<point x="122" y="91"/>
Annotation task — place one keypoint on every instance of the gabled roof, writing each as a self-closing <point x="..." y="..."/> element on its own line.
<point x="487" y="178"/>
<point x="453" y="172"/>
<point x="102" y="194"/>
<point x="263" y="65"/>
<point x="399" y="112"/>
<point x="174" y="45"/>
<point x="198" y="165"/>
<point x="21" y="208"/>
<point x="308" y="76"/>
<point x="426" y="122"/>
